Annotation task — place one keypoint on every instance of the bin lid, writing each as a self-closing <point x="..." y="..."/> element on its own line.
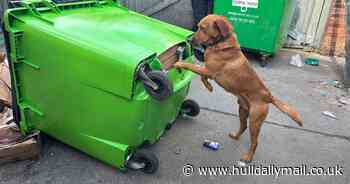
<point x="117" y="33"/>
<point x="121" y="32"/>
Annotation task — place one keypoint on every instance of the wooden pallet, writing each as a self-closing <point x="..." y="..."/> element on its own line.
<point x="15" y="147"/>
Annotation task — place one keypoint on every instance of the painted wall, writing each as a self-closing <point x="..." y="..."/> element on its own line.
<point x="334" y="38"/>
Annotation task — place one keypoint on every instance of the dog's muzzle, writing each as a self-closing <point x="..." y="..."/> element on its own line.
<point x="198" y="50"/>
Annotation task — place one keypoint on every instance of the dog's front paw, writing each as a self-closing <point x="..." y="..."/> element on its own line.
<point x="179" y="65"/>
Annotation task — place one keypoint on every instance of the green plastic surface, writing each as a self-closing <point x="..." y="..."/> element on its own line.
<point x="261" y="25"/>
<point x="74" y="66"/>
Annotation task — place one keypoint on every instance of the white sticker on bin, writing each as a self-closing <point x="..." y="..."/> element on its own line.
<point x="245" y="4"/>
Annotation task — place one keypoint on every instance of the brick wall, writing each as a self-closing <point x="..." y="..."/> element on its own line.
<point x="334" y="38"/>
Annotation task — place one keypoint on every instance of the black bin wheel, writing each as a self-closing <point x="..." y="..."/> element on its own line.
<point x="147" y="158"/>
<point x="190" y="108"/>
<point x="165" y="87"/>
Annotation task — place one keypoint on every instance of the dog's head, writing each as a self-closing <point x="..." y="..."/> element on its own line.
<point x="211" y="29"/>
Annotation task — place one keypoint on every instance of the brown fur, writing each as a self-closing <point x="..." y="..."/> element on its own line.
<point x="2" y="57"/>
<point x="226" y="65"/>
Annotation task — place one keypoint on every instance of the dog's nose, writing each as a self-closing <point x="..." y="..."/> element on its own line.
<point x="190" y="39"/>
<point x="193" y="41"/>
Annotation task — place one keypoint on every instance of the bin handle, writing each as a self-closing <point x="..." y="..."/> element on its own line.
<point x="31" y="5"/>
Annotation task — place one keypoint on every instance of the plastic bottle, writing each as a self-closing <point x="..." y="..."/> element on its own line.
<point x="211" y="145"/>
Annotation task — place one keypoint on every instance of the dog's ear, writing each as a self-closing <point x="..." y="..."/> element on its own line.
<point x="223" y="26"/>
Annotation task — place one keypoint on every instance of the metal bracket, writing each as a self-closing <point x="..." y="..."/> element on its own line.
<point x="180" y="53"/>
<point x="135" y="165"/>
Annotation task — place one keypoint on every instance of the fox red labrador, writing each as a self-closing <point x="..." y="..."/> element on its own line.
<point x="225" y="63"/>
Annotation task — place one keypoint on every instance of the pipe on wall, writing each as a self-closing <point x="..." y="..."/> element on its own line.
<point x="347" y="49"/>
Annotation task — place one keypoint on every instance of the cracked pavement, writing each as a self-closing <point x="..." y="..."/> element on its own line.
<point x="321" y="142"/>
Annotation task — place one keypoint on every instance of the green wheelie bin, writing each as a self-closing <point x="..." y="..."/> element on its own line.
<point x="97" y="76"/>
<point x="261" y="25"/>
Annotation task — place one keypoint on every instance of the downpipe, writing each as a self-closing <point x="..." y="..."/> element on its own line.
<point x="347" y="48"/>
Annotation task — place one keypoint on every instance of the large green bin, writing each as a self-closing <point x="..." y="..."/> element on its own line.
<point x="261" y="25"/>
<point x="76" y="73"/>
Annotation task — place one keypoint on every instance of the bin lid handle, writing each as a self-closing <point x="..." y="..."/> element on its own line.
<point x="32" y="6"/>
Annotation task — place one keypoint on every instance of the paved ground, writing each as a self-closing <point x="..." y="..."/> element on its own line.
<point x="321" y="142"/>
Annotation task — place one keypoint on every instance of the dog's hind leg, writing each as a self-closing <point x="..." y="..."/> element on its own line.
<point x="257" y="115"/>
<point x="243" y="117"/>
<point x="207" y="83"/>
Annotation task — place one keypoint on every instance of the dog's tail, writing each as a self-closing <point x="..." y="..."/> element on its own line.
<point x="285" y="108"/>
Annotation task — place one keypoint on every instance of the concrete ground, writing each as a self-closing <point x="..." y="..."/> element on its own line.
<point x="323" y="141"/>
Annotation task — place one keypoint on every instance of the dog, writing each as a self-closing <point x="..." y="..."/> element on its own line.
<point x="225" y="63"/>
